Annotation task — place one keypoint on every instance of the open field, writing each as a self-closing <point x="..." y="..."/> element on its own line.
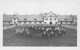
<point x="10" y="38"/>
<point x="73" y="25"/>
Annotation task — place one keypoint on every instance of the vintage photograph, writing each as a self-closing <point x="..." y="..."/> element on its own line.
<point x="40" y="23"/>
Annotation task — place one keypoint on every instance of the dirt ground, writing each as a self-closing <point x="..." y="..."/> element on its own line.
<point x="10" y="39"/>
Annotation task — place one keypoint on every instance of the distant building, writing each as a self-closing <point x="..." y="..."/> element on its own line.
<point x="46" y="18"/>
<point x="10" y="19"/>
<point x="51" y="18"/>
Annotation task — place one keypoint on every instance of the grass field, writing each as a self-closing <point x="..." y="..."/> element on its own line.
<point x="10" y="39"/>
<point x="73" y="25"/>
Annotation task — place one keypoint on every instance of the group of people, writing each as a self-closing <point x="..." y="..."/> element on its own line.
<point x="44" y="30"/>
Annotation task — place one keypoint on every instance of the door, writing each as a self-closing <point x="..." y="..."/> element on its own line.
<point x="50" y="22"/>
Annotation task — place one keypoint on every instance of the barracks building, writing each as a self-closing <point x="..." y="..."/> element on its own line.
<point x="46" y="18"/>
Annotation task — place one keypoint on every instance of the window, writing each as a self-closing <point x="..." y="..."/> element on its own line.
<point x="40" y="22"/>
<point x="66" y="19"/>
<point x="35" y="22"/>
<point x="50" y="15"/>
<point x="25" y="19"/>
<point x="56" y="22"/>
<point x="46" y="18"/>
<point x="50" y="18"/>
<point x="29" y="22"/>
<point x="34" y="19"/>
<point x="54" y="18"/>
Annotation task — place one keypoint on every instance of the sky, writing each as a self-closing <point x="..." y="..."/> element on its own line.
<point x="62" y="7"/>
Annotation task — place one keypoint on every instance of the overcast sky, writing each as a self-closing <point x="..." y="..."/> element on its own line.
<point x="38" y="6"/>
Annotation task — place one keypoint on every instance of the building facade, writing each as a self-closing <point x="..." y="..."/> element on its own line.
<point x="51" y="18"/>
<point x="46" y="18"/>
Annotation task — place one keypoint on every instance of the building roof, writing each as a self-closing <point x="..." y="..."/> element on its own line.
<point x="22" y="17"/>
<point x="35" y="18"/>
<point x="51" y="14"/>
<point x="30" y="17"/>
<point x="8" y="17"/>
<point x="39" y="17"/>
<point x="65" y="18"/>
<point x="74" y="16"/>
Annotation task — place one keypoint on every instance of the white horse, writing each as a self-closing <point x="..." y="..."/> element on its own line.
<point x="19" y="30"/>
<point x="27" y="31"/>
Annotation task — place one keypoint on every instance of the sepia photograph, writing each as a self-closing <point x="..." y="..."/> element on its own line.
<point x="40" y="23"/>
